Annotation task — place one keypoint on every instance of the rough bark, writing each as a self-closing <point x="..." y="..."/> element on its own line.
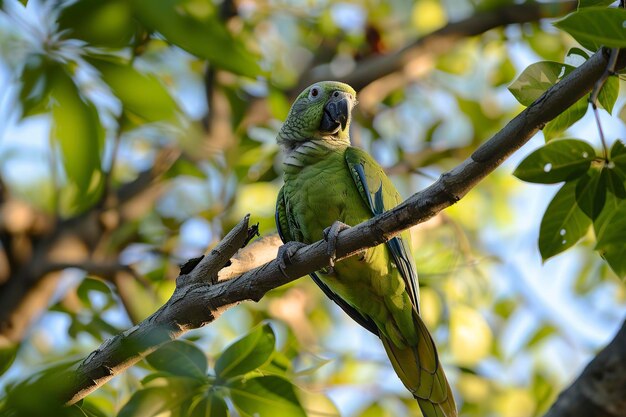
<point x="600" y="390"/>
<point x="199" y="299"/>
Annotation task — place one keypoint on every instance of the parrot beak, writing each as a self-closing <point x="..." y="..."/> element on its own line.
<point x="336" y="112"/>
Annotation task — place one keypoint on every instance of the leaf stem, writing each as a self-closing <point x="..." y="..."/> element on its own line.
<point x="593" y="98"/>
<point x="605" y="153"/>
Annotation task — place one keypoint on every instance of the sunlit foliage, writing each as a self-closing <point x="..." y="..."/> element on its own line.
<point x="151" y="125"/>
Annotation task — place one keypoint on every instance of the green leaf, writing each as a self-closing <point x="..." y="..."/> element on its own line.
<point x="536" y="79"/>
<point x="211" y="405"/>
<point x="166" y="394"/>
<point x="608" y="94"/>
<point x="618" y="150"/>
<point x="375" y="410"/>
<point x="91" y="284"/>
<point x="91" y="410"/>
<point x="618" y="158"/>
<point x="7" y="356"/>
<point x="247" y="353"/>
<point x="594" y="27"/>
<point x="592" y="3"/>
<point x="504" y="73"/>
<point x="579" y="52"/>
<point x="148" y="402"/>
<point x="77" y="129"/>
<point x="143" y="96"/>
<point x="99" y="22"/>
<point x="615" y="182"/>
<point x="205" y="37"/>
<point x="541" y="333"/>
<point x="184" y="167"/>
<point x="279" y="105"/>
<point x="563" y="223"/>
<point x="591" y="192"/>
<point x="35" y="84"/>
<point x="265" y="396"/>
<point x="557" y="161"/>
<point x="39" y="394"/>
<point x="564" y="120"/>
<point x="622" y="114"/>
<point x="279" y="364"/>
<point x="179" y="357"/>
<point x="610" y="229"/>
<point x="504" y="308"/>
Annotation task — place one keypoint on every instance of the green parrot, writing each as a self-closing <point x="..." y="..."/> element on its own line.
<point x="328" y="182"/>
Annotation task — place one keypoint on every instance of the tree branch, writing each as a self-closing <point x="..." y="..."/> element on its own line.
<point x="196" y="301"/>
<point x="27" y="291"/>
<point x="184" y="311"/>
<point x="438" y="42"/>
<point x="600" y="391"/>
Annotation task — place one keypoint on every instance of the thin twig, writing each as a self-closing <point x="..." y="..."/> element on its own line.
<point x="593" y="98"/>
<point x="54" y="177"/>
<point x="108" y="173"/>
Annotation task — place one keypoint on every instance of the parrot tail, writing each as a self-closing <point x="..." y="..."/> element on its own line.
<point x="419" y="369"/>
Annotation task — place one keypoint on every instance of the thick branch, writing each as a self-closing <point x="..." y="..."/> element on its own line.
<point x="439" y="42"/>
<point x="600" y="391"/>
<point x="195" y="302"/>
<point x="183" y="312"/>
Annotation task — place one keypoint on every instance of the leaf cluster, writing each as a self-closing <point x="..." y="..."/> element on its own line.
<point x="250" y="374"/>
<point x="593" y="192"/>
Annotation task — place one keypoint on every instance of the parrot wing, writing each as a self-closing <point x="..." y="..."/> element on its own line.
<point x="285" y="225"/>
<point x="418" y="366"/>
<point x="380" y="195"/>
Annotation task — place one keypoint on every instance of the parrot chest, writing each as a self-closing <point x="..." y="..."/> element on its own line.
<point x="321" y="194"/>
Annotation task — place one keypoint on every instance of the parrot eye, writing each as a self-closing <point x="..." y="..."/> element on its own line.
<point x="314" y="93"/>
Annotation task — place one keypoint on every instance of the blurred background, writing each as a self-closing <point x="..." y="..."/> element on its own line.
<point x="135" y="134"/>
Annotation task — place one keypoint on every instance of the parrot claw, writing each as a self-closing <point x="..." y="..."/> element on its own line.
<point x="330" y="235"/>
<point x="285" y="252"/>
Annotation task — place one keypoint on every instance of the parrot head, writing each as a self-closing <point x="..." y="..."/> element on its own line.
<point x="322" y="112"/>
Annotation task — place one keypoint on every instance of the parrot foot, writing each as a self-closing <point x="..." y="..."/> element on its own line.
<point x="330" y="235"/>
<point x="285" y="252"/>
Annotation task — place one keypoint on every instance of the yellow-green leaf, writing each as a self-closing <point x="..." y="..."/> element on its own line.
<point x="179" y="357"/>
<point x="266" y="396"/>
<point x="247" y="353"/>
<point x="143" y="96"/>
<point x="7" y="356"/>
<point x="76" y="128"/>
<point x="536" y="79"/>
<point x="206" y="38"/>
<point x="99" y="22"/>
<point x="610" y="229"/>
<point x="564" y="120"/>
<point x="608" y="94"/>
<point x="210" y="405"/>
<point x="594" y="27"/>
